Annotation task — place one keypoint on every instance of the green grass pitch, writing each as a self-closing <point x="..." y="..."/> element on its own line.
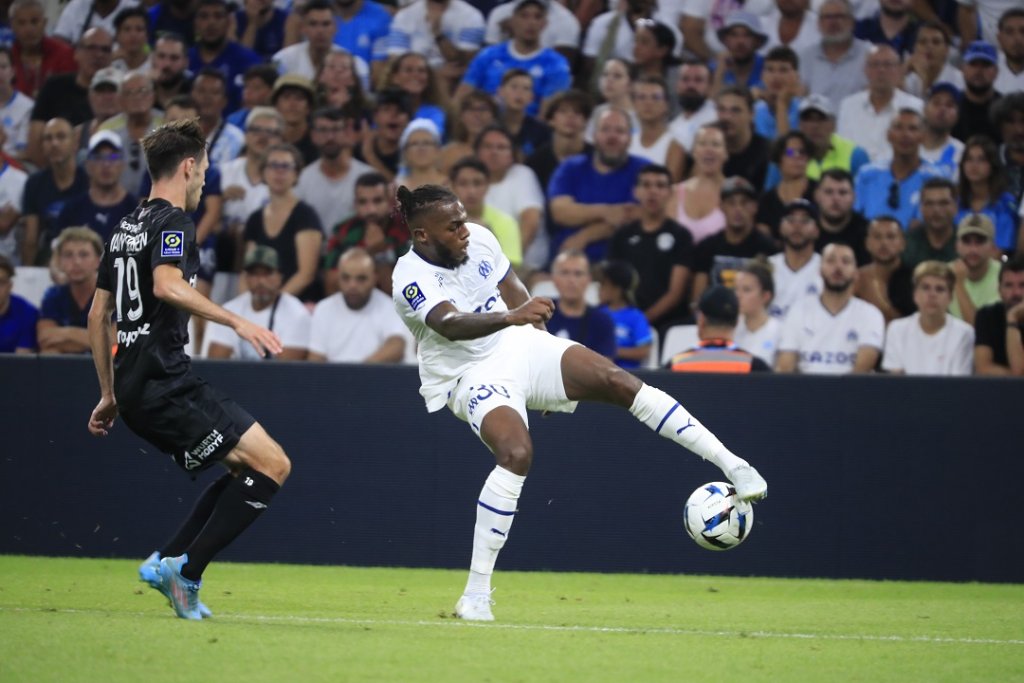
<point x="92" y="621"/>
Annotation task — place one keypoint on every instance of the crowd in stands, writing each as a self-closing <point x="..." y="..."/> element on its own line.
<point x="817" y="186"/>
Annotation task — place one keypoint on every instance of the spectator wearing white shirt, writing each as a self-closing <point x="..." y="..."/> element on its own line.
<point x="864" y="117"/>
<point x="210" y="92"/>
<point x="359" y="323"/>
<point x="793" y="24"/>
<point x="241" y="179"/>
<point x="447" y="32"/>
<point x="928" y="62"/>
<point x="650" y="101"/>
<point x="15" y="108"/>
<point x="78" y="16"/>
<point x="692" y="89"/>
<point x="757" y="330"/>
<point x="835" y="333"/>
<point x="266" y="305"/>
<point x="307" y="58"/>
<point x="938" y="146"/>
<point x="612" y="34"/>
<point x="796" y="270"/>
<point x="931" y="341"/>
<point x="834" y="67"/>
<point x="1011" y="51"/>
<point x="984" y="13"/>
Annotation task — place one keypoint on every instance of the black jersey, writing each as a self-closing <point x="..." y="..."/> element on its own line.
<point x="151" y="334"/>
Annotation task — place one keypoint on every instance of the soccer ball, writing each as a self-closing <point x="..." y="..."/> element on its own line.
<point x="715" y="518"/>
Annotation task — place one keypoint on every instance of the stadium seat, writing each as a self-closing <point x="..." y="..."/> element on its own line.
<point x="678" y="338"/>
<point x="652" y="357"/>
<point x="31" y="282"/>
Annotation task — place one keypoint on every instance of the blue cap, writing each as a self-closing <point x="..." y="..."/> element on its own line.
<point x="945" y="86"/>
<point x="981" y="50"/>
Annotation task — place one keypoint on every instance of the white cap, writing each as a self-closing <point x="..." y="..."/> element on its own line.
<point x="107" y="137"/>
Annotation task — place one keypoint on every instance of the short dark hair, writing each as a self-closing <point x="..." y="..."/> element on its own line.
<point x="653" y="169"/>
<point x="763" y="272"/>
<point x="1003" y="107"/>
<point x="884" y="218"/>
<point x="468" y="162"/>
<point x="513" y="73"/>
<point x="170" y="144"/>
<point x="300" y="162"/>
<point x="938" y="183"/>
<point x="344" y="113"/>
<point x="1012" y="13"/>
<point x="182" y="102"/>
<point x="575" y="99"/>
<point x="396" y="97"/>
<point x="935" y="26"/>
<point x="1015" y="264"/>
<point x="173" y="37"/>
<point x="840" y="175"/>
<point x="414" y="203"/>
<point x="494" y="128"/>
<point x="316" y="5"/>
<point x="265" y="72"/>
<point x="737" y="91"/>
<point x="214" y="73"/>
<point x="372" y="179"/>
<point x="783" y="53"/>
<point x="649" y="79"/>
<point x="129" y="12"/>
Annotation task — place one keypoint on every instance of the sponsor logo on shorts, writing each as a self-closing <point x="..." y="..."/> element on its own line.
<point x="414" y="295"/>
<point x="195" y="457"/>
<point x="172" y="243"/>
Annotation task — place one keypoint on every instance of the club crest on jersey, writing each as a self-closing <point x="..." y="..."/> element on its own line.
<point x="414" y="296"/>
<point x="485" y="269"/>
<point x="172" y="243"/>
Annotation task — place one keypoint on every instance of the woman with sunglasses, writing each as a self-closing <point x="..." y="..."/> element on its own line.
<point x="790" y="154"/>
<point x="287" y="224"/>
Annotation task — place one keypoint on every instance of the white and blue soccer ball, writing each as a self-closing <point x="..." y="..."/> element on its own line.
<point x="715" y="518"/>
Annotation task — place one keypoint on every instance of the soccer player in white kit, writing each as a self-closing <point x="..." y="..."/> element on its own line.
<point x="484" y="353"/>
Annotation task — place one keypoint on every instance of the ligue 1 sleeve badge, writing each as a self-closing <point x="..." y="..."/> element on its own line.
<point x="413" y="295"/>
<point x="172" y="243"/>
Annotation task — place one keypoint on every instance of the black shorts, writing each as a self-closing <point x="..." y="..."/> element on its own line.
<point x="196" y="424"/>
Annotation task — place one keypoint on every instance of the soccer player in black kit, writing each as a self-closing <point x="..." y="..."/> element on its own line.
<point x="145" y="283"/>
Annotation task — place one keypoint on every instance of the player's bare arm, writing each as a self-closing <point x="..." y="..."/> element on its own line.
<point x="169" y="285"/>
<point x="453" y="324"/>
<point x="101" y="343"/>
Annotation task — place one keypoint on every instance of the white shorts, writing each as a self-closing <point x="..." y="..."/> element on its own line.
<point x="524" y="372"/>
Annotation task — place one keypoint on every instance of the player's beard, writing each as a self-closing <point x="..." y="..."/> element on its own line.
<point x="690" y="103"/>
<point x="447" y="257"/>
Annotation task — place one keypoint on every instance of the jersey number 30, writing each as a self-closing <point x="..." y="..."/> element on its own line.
<point x="128" y="279"/>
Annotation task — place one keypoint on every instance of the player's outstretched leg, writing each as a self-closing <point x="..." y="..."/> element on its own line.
<point x="590" y="376"/>
<point x="505" y="433"/>
<point x="260" y="467"/>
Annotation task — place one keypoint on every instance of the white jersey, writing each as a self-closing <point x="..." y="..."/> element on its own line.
<point x="462" y="24"/>
<point x="518" y="191"/>
<point x="827" y="344"/>
<point x="343" y="335"/>
<point x="333" y="199"/>
<point x="657" y="153"/>
<point x="793" y="285"/>
<point x="419" y="286"/>
<point x="237" y="211"/>
<point x="15" y="116"/>
<point x="12" y="188"/>
<point x="295" y="59"/>
<point x="763" y="343"/>
<point x="950" y="351"/>
<point x="563" y="29"/>
<point x="291" y="323"/>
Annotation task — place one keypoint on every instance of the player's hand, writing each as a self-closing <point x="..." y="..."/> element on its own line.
<point x="103" y="415"/>
<point x="262" y="339"/>
<point x="536" y="310"/>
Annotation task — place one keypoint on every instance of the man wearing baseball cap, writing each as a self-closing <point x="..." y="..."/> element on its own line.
<point x="977" y="273"/>
<point x="980" y="68"/>
<point x="107" y="201"/>
<point x="718" y="312"/>
<point x="797" y="268"/>
<point x="266" y="305"/>
<point x="817" y="118"/>
<point x="941" y="111"/>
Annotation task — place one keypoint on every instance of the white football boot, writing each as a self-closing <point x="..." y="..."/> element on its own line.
<point x="749" y="484"/>
<point x="474" y="607"/>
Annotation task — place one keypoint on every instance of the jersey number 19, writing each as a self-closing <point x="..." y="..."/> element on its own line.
<point x="128" y="278"/>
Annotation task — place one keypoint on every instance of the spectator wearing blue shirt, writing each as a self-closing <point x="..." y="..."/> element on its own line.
<point x="106" y="202"/>
<point x="214" y="50"/>
<point x="591" y="195"/>
<point x="573" y="317"/>
<point x="740" y="64"/>
<point x="64" y="315"/>
<point x="633" y="338"/>
<point x="891" y="25"/>
<point x="17" y="316"/>
<point x="894" y="187"/>
<point x="779" y="111"/>
<point x="362" y="29"/>
<point x="260" y="27"/>
<point x="548" y="68"/>
<point x="983" y="190"/>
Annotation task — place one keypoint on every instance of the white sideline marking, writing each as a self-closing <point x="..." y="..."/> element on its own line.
<point x="458" y="623"/>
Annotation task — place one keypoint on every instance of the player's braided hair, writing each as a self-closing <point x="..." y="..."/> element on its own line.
<point x="425" y="198"/>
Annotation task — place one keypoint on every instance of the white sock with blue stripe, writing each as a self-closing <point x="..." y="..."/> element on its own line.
<point x="495" y="510"/>
<point x="668" y="418"/>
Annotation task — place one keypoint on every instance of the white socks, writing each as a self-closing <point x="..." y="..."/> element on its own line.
<point x="495" y="510"/>
<point x="667" y="417"/>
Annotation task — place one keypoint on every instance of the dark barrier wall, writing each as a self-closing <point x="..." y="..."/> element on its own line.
<point x="874" y="477"/>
